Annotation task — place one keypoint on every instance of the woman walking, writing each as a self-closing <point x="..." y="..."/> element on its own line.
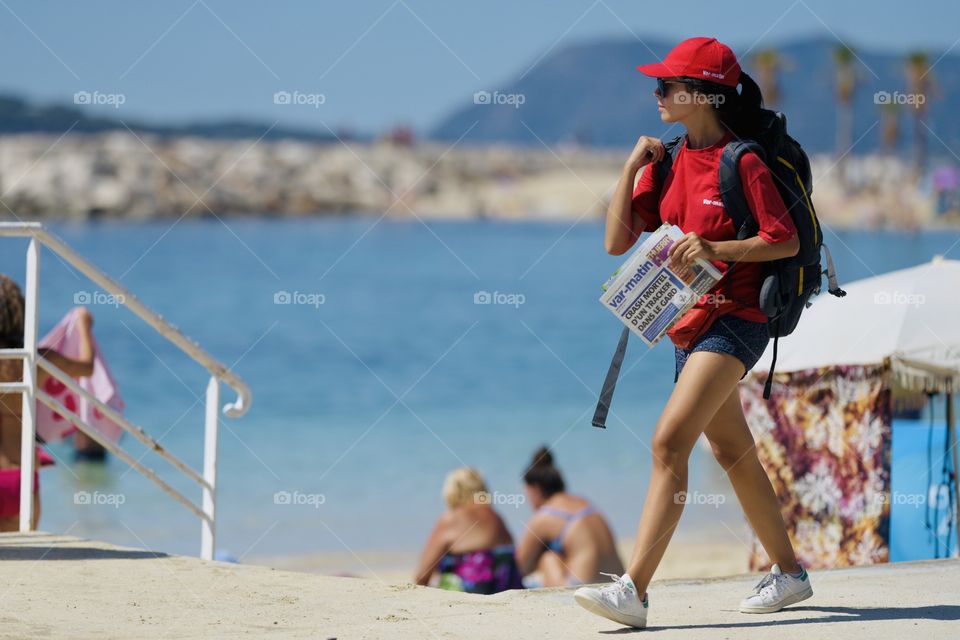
<point x="724" y="335"/>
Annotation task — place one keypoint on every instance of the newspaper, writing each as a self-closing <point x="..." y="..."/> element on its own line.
<point x="648" y="295"/>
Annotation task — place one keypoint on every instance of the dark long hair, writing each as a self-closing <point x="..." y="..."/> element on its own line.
<point x="543" y="474"/>
<point x="11" y="314"/>
<point x="740" y="112"/>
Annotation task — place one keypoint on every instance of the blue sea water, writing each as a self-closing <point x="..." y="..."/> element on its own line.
<point x="381" y="376"/>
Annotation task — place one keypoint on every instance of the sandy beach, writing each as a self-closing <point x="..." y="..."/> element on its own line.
<point x="58" y="586"/>
<point x="689" y="556"/>
<point x="309" y="309"/>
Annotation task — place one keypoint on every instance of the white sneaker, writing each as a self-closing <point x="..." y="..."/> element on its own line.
<point x="618" y="601"/>
<point x="777" y="590"/>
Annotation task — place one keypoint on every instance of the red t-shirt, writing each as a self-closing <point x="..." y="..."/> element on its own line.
<point x="691" y="200"/>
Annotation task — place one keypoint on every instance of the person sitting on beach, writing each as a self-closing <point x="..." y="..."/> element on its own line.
<point x="470" y="547"/>
<point x="11" y="404"/>
<point x="567" y="541"/>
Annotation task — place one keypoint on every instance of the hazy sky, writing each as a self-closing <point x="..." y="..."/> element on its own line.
<point x="380" y="62"/>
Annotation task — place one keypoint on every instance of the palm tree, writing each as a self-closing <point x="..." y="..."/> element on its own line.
<point x="889" y="126"/>
<point x="768" y="64"/>
<point x="919" y="83"/>
<point x="846" y="80"/>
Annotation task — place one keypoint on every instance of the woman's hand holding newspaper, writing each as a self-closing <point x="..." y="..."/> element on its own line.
<point x="690" y="248"/>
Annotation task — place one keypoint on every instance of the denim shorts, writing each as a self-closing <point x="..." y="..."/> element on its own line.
<point x="743" y="339"/>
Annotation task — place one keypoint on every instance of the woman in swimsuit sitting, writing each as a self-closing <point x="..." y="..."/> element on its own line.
<point x="567" y="541"/>
<point x="469" y="547"/>
<point x="11" y="404"/>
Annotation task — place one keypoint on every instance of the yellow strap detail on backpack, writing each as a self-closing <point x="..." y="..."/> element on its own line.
<point x="796" y="176"/>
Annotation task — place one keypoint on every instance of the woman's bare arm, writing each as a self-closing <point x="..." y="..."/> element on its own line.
<point x="530" y="549"/>
<point x="11" y="404"/>
<point x="691" y="247"/>
<point x="437" y="545"/>
<point x="82" y="365"/>
<point x="621" y="227"/>
<point x="755" y="249"/>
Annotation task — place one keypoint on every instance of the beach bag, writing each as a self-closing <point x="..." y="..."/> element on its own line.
<point x="789" y="283"/>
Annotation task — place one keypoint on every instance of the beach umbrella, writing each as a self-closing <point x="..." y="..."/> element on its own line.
<point x="909" y="319"/>
<point x="908" y="316"/>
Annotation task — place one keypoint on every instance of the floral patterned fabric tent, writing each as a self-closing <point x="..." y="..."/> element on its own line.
<point x="824" y="436"/>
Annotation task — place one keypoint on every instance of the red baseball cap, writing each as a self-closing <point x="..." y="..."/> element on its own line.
<point x="701" y="58"/>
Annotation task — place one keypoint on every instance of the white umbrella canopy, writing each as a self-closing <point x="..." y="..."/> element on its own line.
<point x="911" y="316"/>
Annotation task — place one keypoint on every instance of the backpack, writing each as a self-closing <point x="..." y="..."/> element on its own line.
<point x="789" y="283"/>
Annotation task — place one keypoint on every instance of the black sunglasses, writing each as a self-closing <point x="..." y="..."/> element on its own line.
<point x="662" y="85"/>
<point x="693" y="83"/>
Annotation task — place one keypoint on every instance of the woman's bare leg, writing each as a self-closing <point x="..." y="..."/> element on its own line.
<point x="734" y="449"/>
<point x="552" y="569"/>
<point x="705" y="382"/>
<point x="10" y="524"/>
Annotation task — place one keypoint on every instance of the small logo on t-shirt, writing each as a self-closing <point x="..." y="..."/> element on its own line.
<point x="716" y="203"/>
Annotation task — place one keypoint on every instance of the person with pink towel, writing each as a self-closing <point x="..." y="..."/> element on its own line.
<point x="71" y="339"/>
<point x="80" y="363"/>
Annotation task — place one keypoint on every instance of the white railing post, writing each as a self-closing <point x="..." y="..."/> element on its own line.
<point x="210" y="433"/>
<point x="29" y="422"/>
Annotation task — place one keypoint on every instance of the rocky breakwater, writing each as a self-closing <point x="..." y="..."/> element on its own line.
<point x="132" y="176"/>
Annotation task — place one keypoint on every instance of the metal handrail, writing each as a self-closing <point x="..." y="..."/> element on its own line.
<point x="51" y="402"/>
<point x="31" y="394"/>
<point x="119" y="420"/>
<point x="170" y="332"/>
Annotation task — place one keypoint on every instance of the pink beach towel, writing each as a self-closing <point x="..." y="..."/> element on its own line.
<point x="51" y="426"/>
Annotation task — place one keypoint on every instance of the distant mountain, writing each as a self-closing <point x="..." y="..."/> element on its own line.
<point x="19" y="116"/>
<point x="591" y="93"/>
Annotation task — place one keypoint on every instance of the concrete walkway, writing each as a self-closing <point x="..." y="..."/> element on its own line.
<point x="59" y="587"/>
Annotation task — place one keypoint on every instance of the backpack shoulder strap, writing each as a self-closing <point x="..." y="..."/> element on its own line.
<point x="610" y="382"/>
<point x="731" y="188"/>
<point x="672" y="148"/>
